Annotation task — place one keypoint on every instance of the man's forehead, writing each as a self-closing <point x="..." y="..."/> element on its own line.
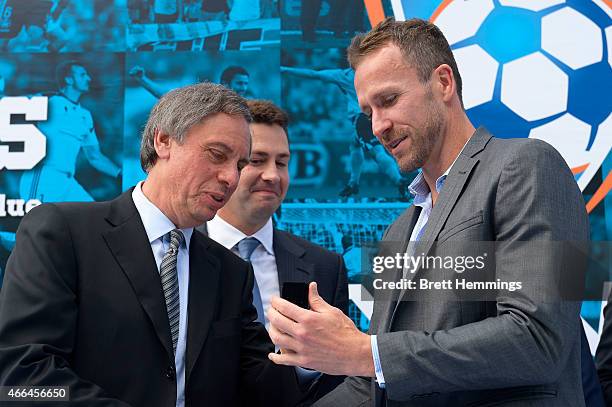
<point x="382" y="71"/>
<point x="78" y="69"/>
<point x="388" y="57"/>
<point x="240" y="77"/>
<point x="224" y="130"/>
<point x="269" y="139"/>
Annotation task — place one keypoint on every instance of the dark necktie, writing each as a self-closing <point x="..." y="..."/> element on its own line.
<point x="169" y="280"/>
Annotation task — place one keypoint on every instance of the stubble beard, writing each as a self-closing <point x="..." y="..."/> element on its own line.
<point x="423" y="140"/>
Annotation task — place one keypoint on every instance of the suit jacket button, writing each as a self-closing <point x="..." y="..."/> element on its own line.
<point x="170" y="373"/>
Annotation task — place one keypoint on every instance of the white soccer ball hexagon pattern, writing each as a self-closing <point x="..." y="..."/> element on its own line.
<point x="553" y="79"/>
<point x="533" y="87"/>
<point x="480" y="70"/>
<point x="471" y="14"/>
<point x="572" y="38"/>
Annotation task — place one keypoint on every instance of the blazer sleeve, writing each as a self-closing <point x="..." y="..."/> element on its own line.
<point x="264" y="383"/>
<point x="530" y="338"/>
<point x="354" y="392"/>
<point x="603" y="357"/>
<point x="38" y="310"/>
<point x="341" y="297"/>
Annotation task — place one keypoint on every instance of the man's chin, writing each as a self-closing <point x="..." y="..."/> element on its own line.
<point x="407" y="166"/>
<point x="263" y="209"/>
<point x="205" y="215"/>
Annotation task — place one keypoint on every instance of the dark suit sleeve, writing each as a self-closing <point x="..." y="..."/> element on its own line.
<point x="264" y="383"/>
<point x="354" y="392"/>
<point x="603" y="357"/>
<point x="341" y="297"/>
<point x="531" y="336"/>
<point x="38" y="310"/>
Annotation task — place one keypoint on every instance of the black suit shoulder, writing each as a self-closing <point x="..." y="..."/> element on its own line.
<point x="326" y="267"/>
<point x="226" y="256"/>
<point x="309" y="247"/>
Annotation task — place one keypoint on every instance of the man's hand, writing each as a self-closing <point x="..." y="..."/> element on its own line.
<point x="137" y="72"/>
<point x="322" y="338"/>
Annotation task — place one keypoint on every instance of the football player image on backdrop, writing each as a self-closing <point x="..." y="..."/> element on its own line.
<point x="234" y="77"/>
<point x="69" y="129"/>
<point x="149" y="75"/>
<point x="197" y="25"/>
<point x="365" y="142"/>
<point x="237" y="79"/>
<point x="31" y="25"/>
<point x="61" y="25"/>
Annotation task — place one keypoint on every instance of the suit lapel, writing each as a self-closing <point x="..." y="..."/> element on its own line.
<point x="453" y="187"/>
<point x="387" y="305"/>
<point x="128" y="242"/>
<point x="204" y="274"/>
<point x="289" y="262"/>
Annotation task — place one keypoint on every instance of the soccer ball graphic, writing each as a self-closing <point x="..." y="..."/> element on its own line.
<point x="538" y="69"/>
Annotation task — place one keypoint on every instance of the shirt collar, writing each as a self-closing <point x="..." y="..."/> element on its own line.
<point x="228" y="235"/>
<point x="156" y="224"/>
<point x="419" y="188"/>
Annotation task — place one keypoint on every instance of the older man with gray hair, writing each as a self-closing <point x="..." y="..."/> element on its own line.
<point x="122" y="303"/>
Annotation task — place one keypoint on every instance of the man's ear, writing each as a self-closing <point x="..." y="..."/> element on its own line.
<point x="162" y="142"/>
<point x="444" y="81"/>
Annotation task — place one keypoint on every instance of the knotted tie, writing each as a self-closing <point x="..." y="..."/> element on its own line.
<point x="169" y="280"/>
<point x="246" y="247"/>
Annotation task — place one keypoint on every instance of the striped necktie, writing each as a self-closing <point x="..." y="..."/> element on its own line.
<point x="169" y="280"/>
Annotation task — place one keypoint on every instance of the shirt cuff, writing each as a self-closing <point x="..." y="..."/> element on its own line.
<point x="380" y="379"/>
<point x="306" y="376"/>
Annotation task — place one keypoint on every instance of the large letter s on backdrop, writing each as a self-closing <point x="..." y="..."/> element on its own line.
<point x="34" y="142"/>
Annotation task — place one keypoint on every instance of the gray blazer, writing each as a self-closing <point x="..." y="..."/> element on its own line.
<point x="510" y="350"/>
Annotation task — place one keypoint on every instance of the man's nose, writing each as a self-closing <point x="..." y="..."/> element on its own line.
<point x="380" y="124"/>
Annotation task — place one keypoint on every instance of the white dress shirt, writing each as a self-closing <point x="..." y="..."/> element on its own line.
<point x="264" y="268"/>
<point x="262" y="259"/>
<point x="157" y="226"/>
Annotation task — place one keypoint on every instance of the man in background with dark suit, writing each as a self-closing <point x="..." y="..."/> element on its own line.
<point x="603" y="357"/>
<point x="244" y="225"/>
<point x="123" y="302"/>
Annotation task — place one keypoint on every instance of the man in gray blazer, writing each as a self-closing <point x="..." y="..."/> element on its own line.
<point x="516" y="344"/>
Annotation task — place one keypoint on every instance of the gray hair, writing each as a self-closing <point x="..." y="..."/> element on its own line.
<point x="182" y="108"/>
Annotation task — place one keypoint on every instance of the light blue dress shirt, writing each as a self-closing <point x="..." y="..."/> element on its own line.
<point x="157" y="226"/>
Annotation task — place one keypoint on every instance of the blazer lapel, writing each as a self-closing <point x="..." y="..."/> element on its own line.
<point x="448" y="197"/>
<point x="204" y="275"/>
<point x="387" y="305"/>
<point x="289" y="263"/>
<point x="128" y="242"/>
<point x="454" y="186"/>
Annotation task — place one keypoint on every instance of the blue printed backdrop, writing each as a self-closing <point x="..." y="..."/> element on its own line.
<point x="531" y="69"/>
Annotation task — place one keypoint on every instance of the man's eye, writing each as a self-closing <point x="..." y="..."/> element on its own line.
<point x="255" y="161"/>
<point x="216" y="155"/>
<point x="389" y="100"/>
<point x="281" y="164"/>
